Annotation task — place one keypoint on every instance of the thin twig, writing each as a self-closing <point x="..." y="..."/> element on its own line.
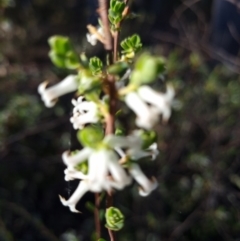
<point x="103" y="7"/>
<point x="96" y="216"/>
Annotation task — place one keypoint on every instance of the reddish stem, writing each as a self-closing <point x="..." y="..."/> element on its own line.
<point x="96" y="216"/>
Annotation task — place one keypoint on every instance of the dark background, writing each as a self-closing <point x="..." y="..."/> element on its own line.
<point x="198" y="168"/>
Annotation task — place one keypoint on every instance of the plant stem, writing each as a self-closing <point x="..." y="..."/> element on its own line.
<point x="115" y="46"/>
<point x="96" y="216"/>
<point x="110" y="81"/>
<point x="103" y="7"/>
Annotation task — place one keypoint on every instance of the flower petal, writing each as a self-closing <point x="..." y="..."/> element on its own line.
<point x="73" y="174"/>
<point x="146" y="116"/>
<point x="82" y="188"/>
<point x="146" y="186"/>
<point x="162" y="101"/>
<point x="72" y="160"/>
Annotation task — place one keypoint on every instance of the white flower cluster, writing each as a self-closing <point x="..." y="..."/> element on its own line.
<point x="111" y="165"/>
<point x="105" y="172"/>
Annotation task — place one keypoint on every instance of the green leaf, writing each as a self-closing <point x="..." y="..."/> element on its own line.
<point x="57" y="59"/>
<point x="62" y="53"/>
<point x="88" y="82"/>
<point x="148" y="138"/>
<point x="90" y="136"/>
<point x="95" y="65"/>
<point x="115" y="11"/>
<point x="60" y="44"/>
<point x="131" y="45"/>
<point x="118" y="68"/>
<point x="147" y="69"/>
<point x="72" y="61"/>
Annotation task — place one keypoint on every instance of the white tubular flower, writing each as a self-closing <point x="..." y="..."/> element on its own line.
<point x="146" y="185"/>
<point x="51" y="94"/>
<point x="84" y="112"/>
<point x="92" y="38"/>
<point x="82" y="188"/>
<point x="161" y="101"/>
<point x="146" y="116"/>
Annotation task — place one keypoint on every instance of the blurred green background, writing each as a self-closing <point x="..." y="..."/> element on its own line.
<point x="198" y="169"/>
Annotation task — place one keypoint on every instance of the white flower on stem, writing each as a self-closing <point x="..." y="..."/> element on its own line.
<point x="84" y="112"/>
<point x="51" y="94"/>
<point x="147" y="116"/>
<point x="104" y="173"/>
<point x="161" y="101"/>
<point x="146" y="185"/>
<point x="95" y="35"/>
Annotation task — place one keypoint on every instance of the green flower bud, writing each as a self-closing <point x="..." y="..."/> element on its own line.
<point x="114" y="219"/>
<point x="90" y="136"/>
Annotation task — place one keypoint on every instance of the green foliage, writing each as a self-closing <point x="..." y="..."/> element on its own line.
<point x="88" y="82"/>
<point x="115" y="12"/>
<point x="131" y="45"/>
<point x="148" y="138"/>
<point x="117" y="68"/>
<point x="95" y="65"/>
<point x="62" y="53"/>
<point x="147" y="69"/>
<point x="82" y="167"/>
<point x="114" y="219"/>
<point x="90" y="136"/>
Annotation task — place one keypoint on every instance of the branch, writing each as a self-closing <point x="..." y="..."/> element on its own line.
<point x="103" y="8"/>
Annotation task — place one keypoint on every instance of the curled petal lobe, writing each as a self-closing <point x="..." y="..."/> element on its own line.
<point x="82" y="188"/>
<point x="73" y="174"/>
<point x="146" y="185"/>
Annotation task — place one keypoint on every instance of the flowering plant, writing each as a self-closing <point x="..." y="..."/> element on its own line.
<point x="109" y="159"/>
